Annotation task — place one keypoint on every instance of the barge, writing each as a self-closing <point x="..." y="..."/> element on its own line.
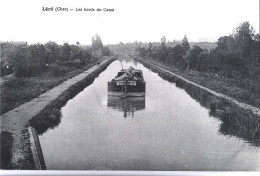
<point x="128" y="83"/>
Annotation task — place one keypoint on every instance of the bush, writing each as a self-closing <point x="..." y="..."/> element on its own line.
<point x="192" y="57"/>
<point x="31" y="60"/>
<point x="106" y="51"/>
<point x="6" y="70"/>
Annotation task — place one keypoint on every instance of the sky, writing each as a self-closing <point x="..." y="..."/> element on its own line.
<point x="132" y="20"/>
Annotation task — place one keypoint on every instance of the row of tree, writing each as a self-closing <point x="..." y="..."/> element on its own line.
<point x="236" y="55"/>
<point x="27" y="60"/>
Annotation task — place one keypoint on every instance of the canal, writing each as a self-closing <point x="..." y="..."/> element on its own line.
<point x="165" y="130"/>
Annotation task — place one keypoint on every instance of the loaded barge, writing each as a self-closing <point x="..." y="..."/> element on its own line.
<point x="128" y="82"/>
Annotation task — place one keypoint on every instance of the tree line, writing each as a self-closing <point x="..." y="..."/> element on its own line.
<point x="236" y="56"/>
<point x="28" y="60"/>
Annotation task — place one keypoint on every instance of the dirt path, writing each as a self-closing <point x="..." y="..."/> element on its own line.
<point x="254" y="110"/>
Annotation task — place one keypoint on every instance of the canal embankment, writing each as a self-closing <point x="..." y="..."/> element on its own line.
<point x="47" y="104"/>
<point x="16" y="90"/>
<point x="170" y="125"/>
<point x="169" y="74"/>
<point x="172" y="117"/>
<point x="238" y="118"/>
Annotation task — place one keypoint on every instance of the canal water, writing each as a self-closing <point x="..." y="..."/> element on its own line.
<point x="165" y="130"/>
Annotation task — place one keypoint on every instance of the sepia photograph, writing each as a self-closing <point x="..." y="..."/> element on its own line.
<point x="130" y="87"/>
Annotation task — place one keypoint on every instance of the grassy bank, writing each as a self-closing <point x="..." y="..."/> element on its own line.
<point x="236" y="121"/>
<point x="17" y="91"/>
<point x="44" y="118"/>
<point x="240" y="90"/>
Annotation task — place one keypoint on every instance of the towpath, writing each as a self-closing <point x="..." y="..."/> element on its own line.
<point x="245" y="106"/>
<point x="18" y="118"/>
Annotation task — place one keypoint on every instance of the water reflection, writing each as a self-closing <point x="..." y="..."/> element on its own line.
<point x="170" y="131"/>
<point x="48" y="119"/>
<point x="235" y="121"/>
<point x="122" y="59"/>
<point x="127" y="105"/>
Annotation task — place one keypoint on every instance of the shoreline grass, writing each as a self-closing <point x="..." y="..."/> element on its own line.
<point x="236" y="121"/>
<point x="238" y="90"/>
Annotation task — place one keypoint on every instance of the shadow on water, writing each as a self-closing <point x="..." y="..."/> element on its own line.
<point x="50" y="117"/>
<point x="127" y="105"/>
<point x="236" y="121"/>
<point x="20" y="148"/>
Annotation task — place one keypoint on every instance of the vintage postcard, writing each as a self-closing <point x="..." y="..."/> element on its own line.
<point x="133" y="87"/>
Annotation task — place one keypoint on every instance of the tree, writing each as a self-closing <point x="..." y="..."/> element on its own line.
<point x="255" y="48"/>
<point x="202" y="59"/>
<point x="37" y="53"/>
<point x="163" y="49"/>
<point x="175" y="56"/>
<point x="257" y="37"/>
<point x="97" y="47"/>
<point x="106" y="51"/>
<point x="185" y="43"/>
<point x="97" y="43"/>
<point x="192" y="57"/>
<point x="66" y="51"/>
<point x="150" y="47"/>
<point x="244" y="37"/>
<point x="222" y="43"/>
<point x="178" y="49"/>
<point x="227" y="43"/>
<point x="163" y="41"/>
<point x="21" y="62"/>
<point x="142" y="51"/>
<point x="55" y="51"/>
